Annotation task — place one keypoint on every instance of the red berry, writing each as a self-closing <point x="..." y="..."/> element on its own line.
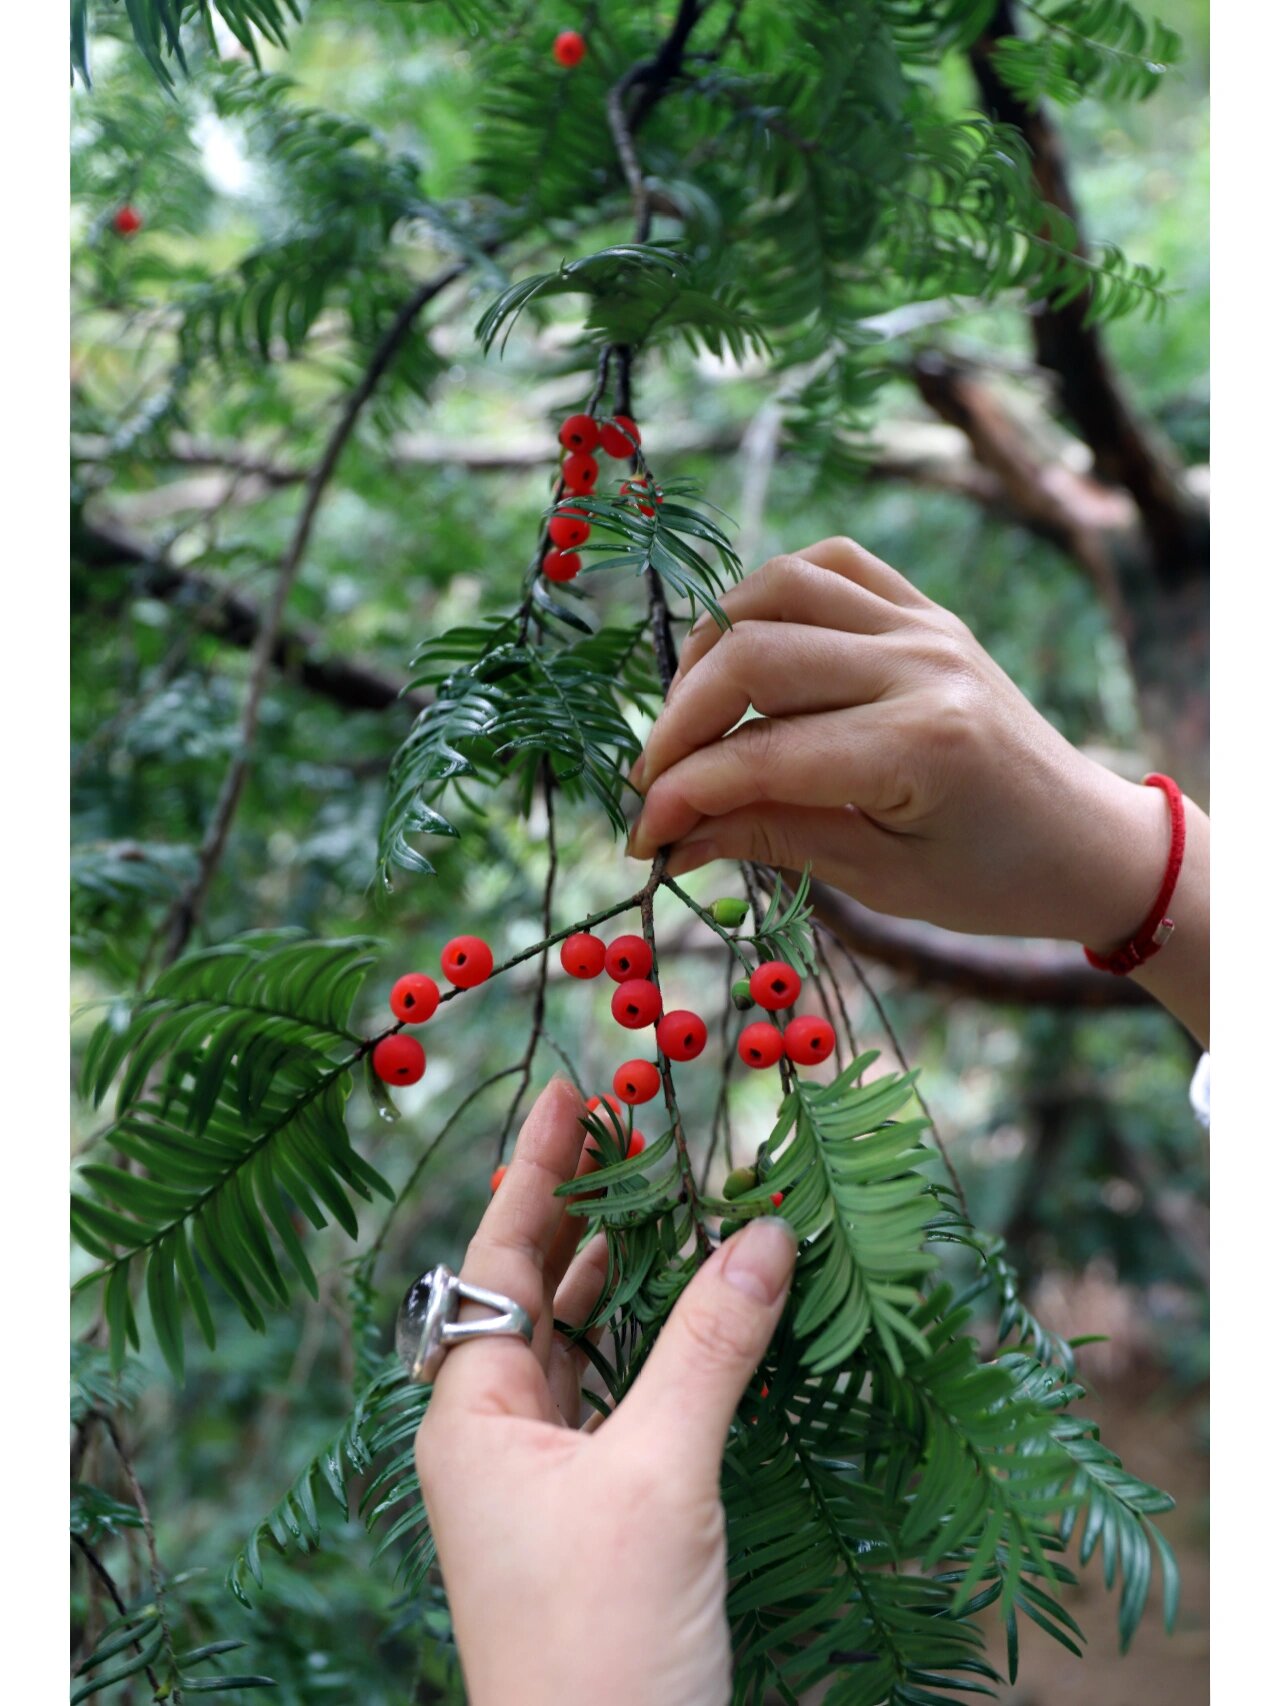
<point x="604" y="1101"/>
<point x="760" y="1045"/>
<point x="561" y="565"/>
<point x="580" y="473"/>
<point x="466" y="961"/>
<point x="634" y="490"/>
<point x="568" y="528"/>
<point x="637" y="1081"/>
<point x="808" y="1040"/>
<point x="636" y="1146"/>
<point x="619" y="437"/>
<point x="682" y="1035"/>
<point x="628" y="956"/>
<point x="127" y="220"/>
<point x="775" y="985"/>
<point x="399" y="1060"/>
<point x="582" y="955"/>
<point x="496" y="1178"/>
<point x="414" y="997"/>
<point x="569" y="48"/>
<point x="580" y="432"/>
<point x="637" y="1003"/>
<point x="776" y="1200"/>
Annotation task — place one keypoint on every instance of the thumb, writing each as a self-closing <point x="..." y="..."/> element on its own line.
<point x="718" y="1332"/>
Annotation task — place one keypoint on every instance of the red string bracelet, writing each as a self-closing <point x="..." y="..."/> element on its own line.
<point x="1157" y="927"/>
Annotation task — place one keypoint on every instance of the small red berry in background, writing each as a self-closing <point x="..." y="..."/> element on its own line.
<point x="568" y="529"/>
<point x="628" y="956"/>
<point x="399" y="1060"/>
<point x="602" y="1102"/>
<point x="414" y="997"/>
<point x="496" y="1178"/>
<point x="682" y="1035"/>
<point x="126" y="221"/>
<point x="561" y="565"/>
<point x="637" y="1003"/>
<point x="636" y="1146"/>
<point x="466" y="961"/>
<point x="637" y="1081"/>
<point x="635" y="491"/>
<point x="619" y="437"/>
<point x="775" y="985"/>
<point x="582" y="955"/>
<point x="580" y="432"/>
<point x="569" y="48"/>
<point x="580" y="473"/>
<point x="808" y="1040"/>
<point x="760" y="1045"/>
<point x="776" y="1200"/>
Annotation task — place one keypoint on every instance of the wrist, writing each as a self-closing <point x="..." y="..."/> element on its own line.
<point x="1122" y="842"/>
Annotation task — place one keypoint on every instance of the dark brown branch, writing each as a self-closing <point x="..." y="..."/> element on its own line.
<point x="1125" y="449"/>
<point x="298" y="651"/>
<point x="659" y="73"/>
<point x="983" y="968"/>
<point x="1073" y="511"/>
<point x="186" y="911"/>
<point x="104" y="1576"/>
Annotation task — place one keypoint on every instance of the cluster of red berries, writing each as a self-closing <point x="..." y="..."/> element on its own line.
<point x="568" y="49"/>
<point x="568" y="528"/>
<point x="126" y="220"/>
<point x="465" y="962"/>
<point x="807" y="1040"/>
<point x="682" y="1035"/>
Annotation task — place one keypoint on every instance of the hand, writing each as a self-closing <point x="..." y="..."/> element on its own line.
<point x="893" y="754"/>
<point x="584" y="1566"/>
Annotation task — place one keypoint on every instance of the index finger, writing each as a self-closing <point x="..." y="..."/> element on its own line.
<point x="833" y="584"/>
<point x="509" y="1254"/>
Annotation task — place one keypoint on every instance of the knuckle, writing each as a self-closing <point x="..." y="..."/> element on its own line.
<point x="774" y="844"/>
<point x="720" y="1337"/>
<point x="790" y="577"/>
<point x="755" y="746"/>
<point x="842" y="543"/>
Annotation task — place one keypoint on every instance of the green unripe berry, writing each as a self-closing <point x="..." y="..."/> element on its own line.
<point x="741" y="1180"/>
<point x="729" y="1227"/>
<point x="743" y="999"/>
<point x="729" y="911"/>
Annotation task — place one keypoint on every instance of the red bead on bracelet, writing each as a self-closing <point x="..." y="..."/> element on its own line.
<point x="1157" y="927"/>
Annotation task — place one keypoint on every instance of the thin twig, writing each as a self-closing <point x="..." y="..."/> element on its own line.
<point x="720" y="1114"/>
<point x="104" y="1576"/>
<point x="187" y="910"/>
<point x="149" y="1533"/>
<point x="892" y="1035"/>
<point x="540" y="989"/>
<point x="664" y="1065"/>
<point x="837" y="994"/>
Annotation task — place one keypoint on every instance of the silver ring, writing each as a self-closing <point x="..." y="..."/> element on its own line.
<point x="427" y="1324"/>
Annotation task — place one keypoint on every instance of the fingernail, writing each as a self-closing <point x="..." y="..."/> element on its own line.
<point x="690" y="855"/>
<point x="761" y="1258"/>
<point x="637" y="774"/>
<point x="641" y="844"/>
